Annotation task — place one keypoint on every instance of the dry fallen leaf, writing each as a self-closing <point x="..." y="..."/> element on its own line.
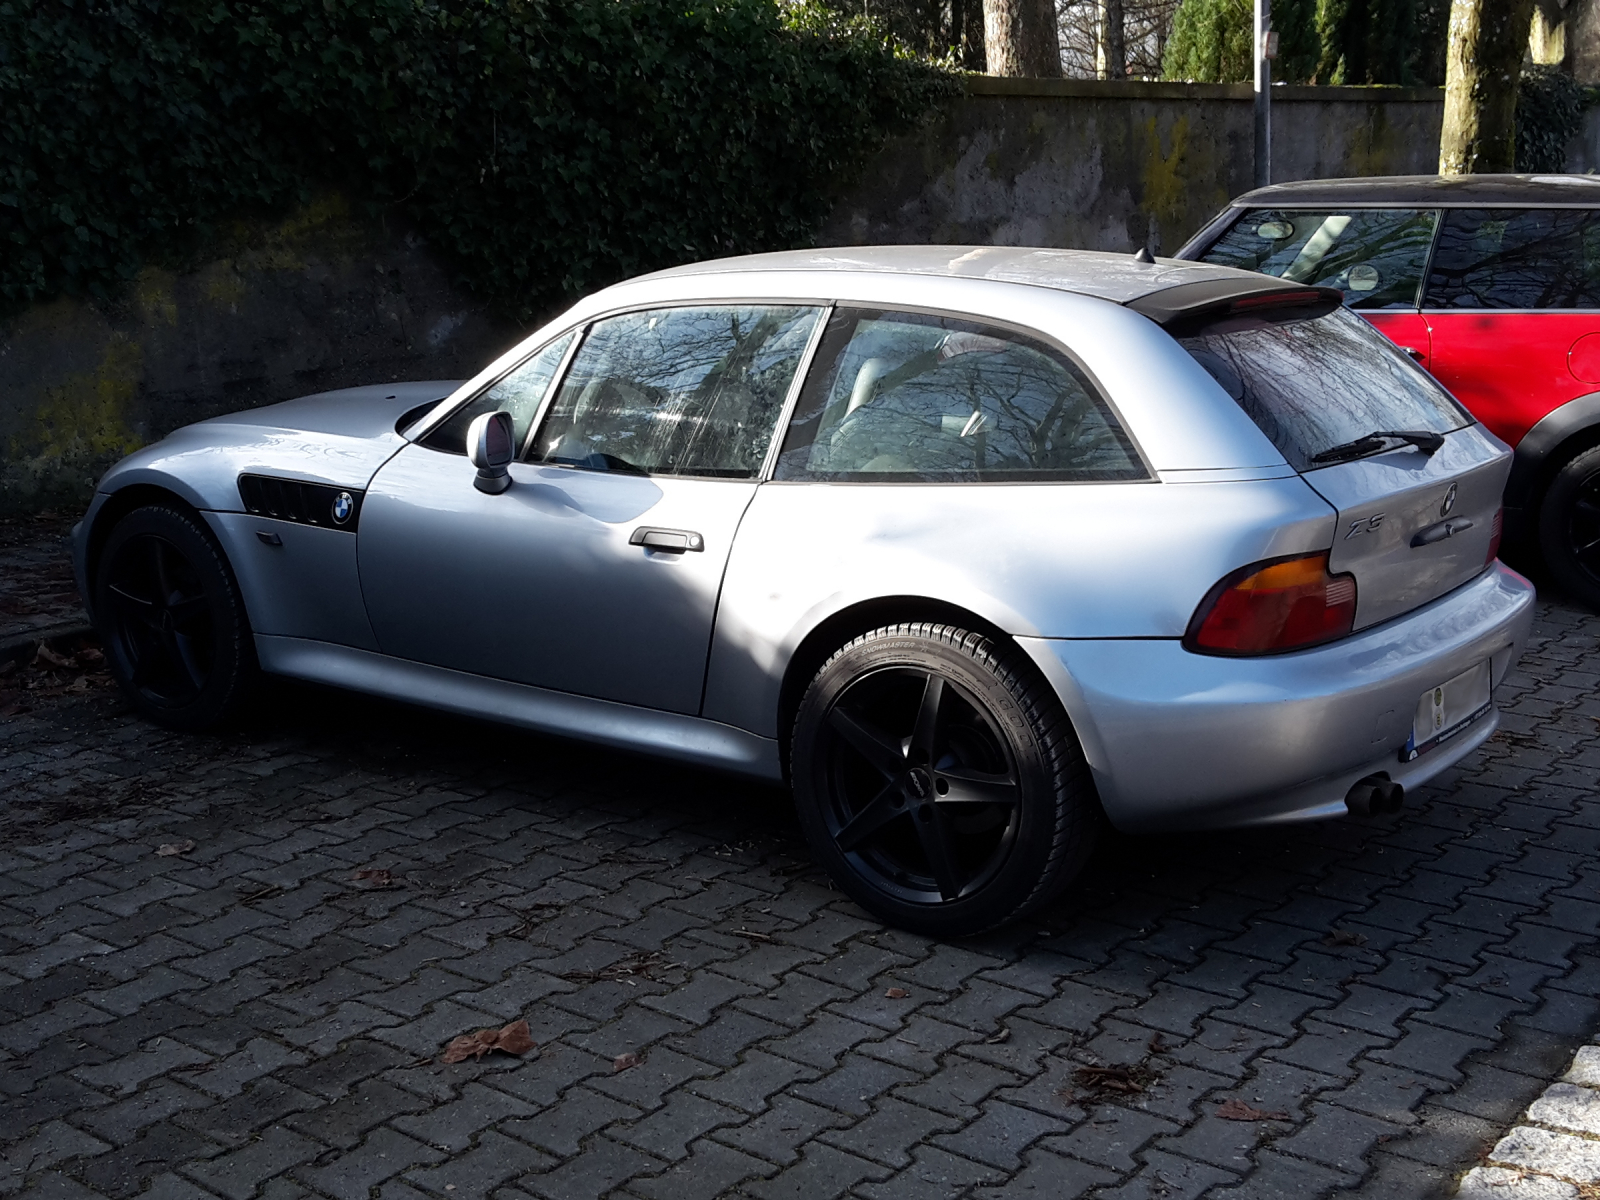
<point x="1127" y="1081"/>
<point x="897" y="993"/>
<point x="378" y="877"/>
<point x="1344" y="937"/>
<point x="623" y="1061"/>
<point x="169" y="849"/>
<point x="1238" y="1110"/>
<point x="50" y="658"/>
<point x="513" y="1039"/>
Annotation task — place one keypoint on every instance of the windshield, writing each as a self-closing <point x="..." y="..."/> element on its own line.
<point x="1374" y="256"/>
<point x="1316" y="384"/>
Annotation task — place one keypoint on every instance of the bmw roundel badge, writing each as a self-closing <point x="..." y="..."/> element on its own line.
<point x="1444" y="509"/>
<point x="343" y="505"/>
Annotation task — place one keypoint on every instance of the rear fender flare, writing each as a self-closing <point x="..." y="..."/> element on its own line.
<point x="1554" y="438"/>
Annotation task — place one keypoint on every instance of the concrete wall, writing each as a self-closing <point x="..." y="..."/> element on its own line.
<point x="319" y="301"/>
<point x="323" y="301"/>
<point x="1117" y="165"/>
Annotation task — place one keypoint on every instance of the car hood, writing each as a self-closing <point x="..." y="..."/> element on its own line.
<point x="339" y="439"/>
<point x="357" y="412"/>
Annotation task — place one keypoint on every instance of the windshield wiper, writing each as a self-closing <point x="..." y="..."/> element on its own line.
<point x="1377" y="440"/>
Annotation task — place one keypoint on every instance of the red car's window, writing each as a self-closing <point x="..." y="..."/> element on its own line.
<point x="1375" y="256"/>
<point x="1516" y="258"/>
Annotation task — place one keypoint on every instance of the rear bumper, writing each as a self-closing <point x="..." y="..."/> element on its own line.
<point x="1186" y="741"/>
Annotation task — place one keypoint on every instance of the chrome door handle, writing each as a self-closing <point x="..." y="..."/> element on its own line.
<point x="669" y="541"/>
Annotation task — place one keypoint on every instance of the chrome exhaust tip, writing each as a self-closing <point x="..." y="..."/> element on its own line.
<point x="1374" y="795"/>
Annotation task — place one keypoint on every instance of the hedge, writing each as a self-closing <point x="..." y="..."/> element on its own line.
<point x="547" y="146"/>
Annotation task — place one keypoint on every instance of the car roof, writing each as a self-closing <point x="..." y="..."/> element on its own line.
<point x="1431" y="191"/>
<point x="1119" y="278"/>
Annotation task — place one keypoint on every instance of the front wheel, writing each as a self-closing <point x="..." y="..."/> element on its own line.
<point x="939" y="781"/>
<point x="1569" y="527"/>
<point x="176" y="636"/>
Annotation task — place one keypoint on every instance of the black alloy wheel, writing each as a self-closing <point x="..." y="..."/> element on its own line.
<point x="939" y="781"/>
<point x="169" y="612"/>
<point x="1569" y="527"/>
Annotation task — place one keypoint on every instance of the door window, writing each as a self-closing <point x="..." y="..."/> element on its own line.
<point x="1374" y="256"/>
<point x="518" y="392"/>
<point x="677" y="391"/>
<point x="898" y="396"/>
<point x="1517" y="258"/>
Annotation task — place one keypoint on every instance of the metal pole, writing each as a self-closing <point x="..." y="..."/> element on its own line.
<point x="1263" y="95"/>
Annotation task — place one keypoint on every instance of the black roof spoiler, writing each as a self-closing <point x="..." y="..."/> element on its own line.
<point x="1187" y="306"/>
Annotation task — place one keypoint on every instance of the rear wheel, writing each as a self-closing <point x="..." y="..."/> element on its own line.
<point x="1569" y="527"/>
<point x="174" y="626"/>
<point x="939" y="781"/>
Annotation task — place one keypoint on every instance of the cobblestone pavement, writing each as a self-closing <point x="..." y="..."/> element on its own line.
<point x="228" y="966"/>
<point x="1553" y="1153"/>
<point x="38" y="597"/>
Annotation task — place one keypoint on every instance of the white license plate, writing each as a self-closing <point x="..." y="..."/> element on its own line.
<point x="1446" y="710"/>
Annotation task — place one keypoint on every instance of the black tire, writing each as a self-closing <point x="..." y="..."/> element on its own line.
<point x="1569" y="527"/>
<point x="897" y="722"/>
<point x="169" y="612"/>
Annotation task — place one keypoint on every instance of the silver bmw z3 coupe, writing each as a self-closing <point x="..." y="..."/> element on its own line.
<point x="974" y="548"/>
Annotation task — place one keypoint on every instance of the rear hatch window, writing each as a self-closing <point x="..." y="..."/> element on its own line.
<point x="1313" y="385"/>
<point x="1374" y="256"/>
<point x="1415" y="521"/>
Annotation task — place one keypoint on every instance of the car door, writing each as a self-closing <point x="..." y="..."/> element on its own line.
<point x="597" y="571"/>
<point x="1375" y="256"/>
<point x="1513" y="299"/>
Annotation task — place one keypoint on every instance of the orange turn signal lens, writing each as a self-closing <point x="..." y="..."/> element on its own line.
<point x="1269" y="607"/>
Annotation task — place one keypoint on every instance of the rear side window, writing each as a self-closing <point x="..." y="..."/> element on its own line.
<point x="1376" y="257"/>
<point x="1516" y="258"/>
<point x="677" y="391"/>
<point x="1311" y="385"/>
<point x="908" y="397"/>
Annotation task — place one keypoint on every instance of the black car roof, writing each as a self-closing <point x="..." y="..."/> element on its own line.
<point x="1431" y="191"/>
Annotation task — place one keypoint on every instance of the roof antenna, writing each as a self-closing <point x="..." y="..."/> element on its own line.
<point x="1143" y="255"/>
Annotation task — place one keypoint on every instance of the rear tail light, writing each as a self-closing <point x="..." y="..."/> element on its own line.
<point x="1495" y="531"/>
<point x="1267" y="607"/>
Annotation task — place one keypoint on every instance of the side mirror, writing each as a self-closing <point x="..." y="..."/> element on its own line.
<point x="491" y="448"/>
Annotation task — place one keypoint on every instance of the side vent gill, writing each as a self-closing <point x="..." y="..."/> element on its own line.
<point x="303" y="503"/>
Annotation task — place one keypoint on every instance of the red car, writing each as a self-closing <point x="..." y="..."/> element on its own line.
<point x="1492" y="282"/>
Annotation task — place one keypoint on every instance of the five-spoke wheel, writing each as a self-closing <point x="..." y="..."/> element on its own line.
<point x="1569" y="527"/>
<point x="173" y="624"/>
<point x="939" y="781"/>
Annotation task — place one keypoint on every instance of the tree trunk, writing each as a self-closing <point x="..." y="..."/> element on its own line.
<point x="1019" y="38"/>
<point x="966" y="33"/>
<point x="1482" y="67"/>
<point x="1111" y="53"/>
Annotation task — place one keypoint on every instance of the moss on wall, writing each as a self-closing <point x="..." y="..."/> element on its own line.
<point x="319" y="301"/>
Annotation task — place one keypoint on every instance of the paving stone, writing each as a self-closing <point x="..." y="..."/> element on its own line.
<point x="238" y="1174"/>
<point x="711" y="1170"/>
<point x="1575" y="1158"/>
<point x="351" y="1174"/>
<point x="821" y="1174"/>
<point x="495" y="1160"/>
<point x="1499" y="1183"/>
<point x="601" y="1167"/>
<point x="1001" y="1134"/>
<point x="667" y="1132"/>
<point x="562" y="1128"/>
<point x="777" y="1134"/>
